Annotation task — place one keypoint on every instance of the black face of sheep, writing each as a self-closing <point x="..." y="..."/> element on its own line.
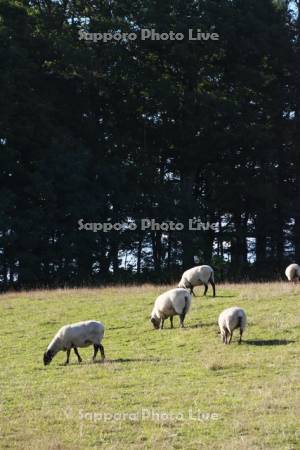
<point x="47" y="357"/>
<point x="155" y="322"/>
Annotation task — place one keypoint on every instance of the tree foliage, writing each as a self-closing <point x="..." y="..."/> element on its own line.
<point x="131" y="129"/>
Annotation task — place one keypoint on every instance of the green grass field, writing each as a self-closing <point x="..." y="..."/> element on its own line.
<point x="169" y="389"/>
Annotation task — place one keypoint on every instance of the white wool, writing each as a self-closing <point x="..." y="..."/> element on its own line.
<point x="196" y="276"/>
<point x="171" y="303"/>
<point x="230" y="319"/>
<point x="292" y="272"/>
<point x="80" y="334"/>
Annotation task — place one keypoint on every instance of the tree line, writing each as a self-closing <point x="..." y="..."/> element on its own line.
<point x="121" y="131"/>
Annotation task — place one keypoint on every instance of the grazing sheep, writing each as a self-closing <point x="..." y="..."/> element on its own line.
<point x="229" y="320"/>
<point x="292" y="272"/>
<point x="196" y="276"/>
<point x="175" y="302"/>
<point x="81" y="334"/>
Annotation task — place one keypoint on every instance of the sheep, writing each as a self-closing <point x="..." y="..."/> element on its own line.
<point x="81" y="334"/>
<point x="169" y="304"/>
<point x="292" y="272"/>
<point x="229" y="320"/>
<point x="196" y="276"/>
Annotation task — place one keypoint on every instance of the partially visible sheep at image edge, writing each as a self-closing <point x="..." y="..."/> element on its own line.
<point x="76" y="335"/>
<point x="175" y="302"/>
<point x="292" y="272"/>
<point x="197" y="276"/>
<point x="229" y="320"/>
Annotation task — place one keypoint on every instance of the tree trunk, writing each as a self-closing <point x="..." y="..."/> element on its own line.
<point x="261" y="241"/>
<point x="189" y="210"/>
<point x="139" y="254"/>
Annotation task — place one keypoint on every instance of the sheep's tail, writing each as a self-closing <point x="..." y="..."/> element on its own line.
<point x="185" y="305"/>
<point x="241" y="323"/>
<point x="212" y="277"/>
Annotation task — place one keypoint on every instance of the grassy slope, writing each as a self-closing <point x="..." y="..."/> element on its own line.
<point x="253" y="389"/>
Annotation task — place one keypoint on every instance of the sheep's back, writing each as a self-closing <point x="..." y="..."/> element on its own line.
<point x="82" y="333"/>
<point x="198" y="275"/>
<point x="173" y="301"/>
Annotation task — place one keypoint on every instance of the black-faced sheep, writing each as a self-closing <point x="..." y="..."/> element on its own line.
<point x="229" y="320"/>
<point x="197" y="276"/>
<point x="175" y="302"/>
<point x="76" y="335"/>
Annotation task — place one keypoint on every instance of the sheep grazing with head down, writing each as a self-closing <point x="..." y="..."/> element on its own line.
<point x="197" y="276"/>
<point x="175" y="302"/>
<point x="292" y="272"/>
<point x="229" y="320"/>
<point x="76" y="335"/>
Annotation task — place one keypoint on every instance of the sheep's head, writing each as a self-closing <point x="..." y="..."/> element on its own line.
<point x="155" y="322"/>
<point x="48" y="357"/>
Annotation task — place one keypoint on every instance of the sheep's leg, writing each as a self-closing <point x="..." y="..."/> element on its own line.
<point x="205" y="288"/>
<point x="223" y="335"/>
<point x="161" y="324"/>
<point x="182" y="317"/>
<point x="228" y="336"/>
<point x="214" y="287"/>
<point x="68" y="356"/>
<point x="171" y="320"/>
<point x="96" y="348"/>
<point x="241" y="333"/>
<point x="77" y="354"/>
<point x="295" y="278"/>
<point x="101" y="348"/>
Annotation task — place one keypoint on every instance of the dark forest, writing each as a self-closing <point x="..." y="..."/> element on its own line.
<point x="118" y="131"/>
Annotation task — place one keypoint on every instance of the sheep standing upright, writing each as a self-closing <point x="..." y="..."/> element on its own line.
<point x="196" y="276"/>
<point x="229" y="320"/>
<point x="81" y="334"/>
<point x="292" y="272"/>
<point x="175" y="302"/>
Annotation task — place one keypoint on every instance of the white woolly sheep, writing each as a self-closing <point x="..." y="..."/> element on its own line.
<point x="175" y="302"/>
<point x="196" y="276"/>
<point x="81" y="334"/>
<point x="292" y="272"/>
<point x="229" y="320"/>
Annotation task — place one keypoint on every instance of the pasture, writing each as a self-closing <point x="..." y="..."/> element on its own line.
<point x="169" y="389"/>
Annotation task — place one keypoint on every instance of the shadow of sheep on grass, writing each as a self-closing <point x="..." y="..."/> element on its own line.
<point x="261" y="342"/>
